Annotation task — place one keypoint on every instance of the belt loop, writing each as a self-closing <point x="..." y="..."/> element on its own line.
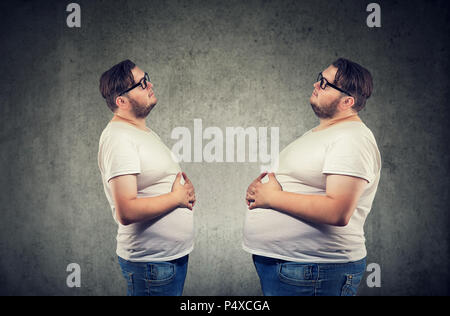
<point x="308" y="272"/>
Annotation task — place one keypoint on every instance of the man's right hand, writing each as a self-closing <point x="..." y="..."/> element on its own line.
<point x="184" y="193"/>
<point x="252" y="188"/>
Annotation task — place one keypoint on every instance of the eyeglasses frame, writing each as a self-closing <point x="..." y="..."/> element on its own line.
<point x="320" y="77"/>
<point x="142" y="83"/>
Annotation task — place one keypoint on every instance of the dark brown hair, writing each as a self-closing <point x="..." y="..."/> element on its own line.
<point x="354" y="79"/>
<point x="116" y="80"/>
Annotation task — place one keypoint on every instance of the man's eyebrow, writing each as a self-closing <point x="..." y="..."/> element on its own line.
<point x="326" y="78"/>
<point x="141" y="79"/>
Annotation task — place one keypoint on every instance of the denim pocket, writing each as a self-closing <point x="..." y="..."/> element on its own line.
<point x="296" y="274"/>
<point x="161" y="273"/>
<point x="352" y="282"/>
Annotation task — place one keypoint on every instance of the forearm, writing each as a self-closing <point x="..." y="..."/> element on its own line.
<point x="142" y="209"/>
<point x="315" y="208"/>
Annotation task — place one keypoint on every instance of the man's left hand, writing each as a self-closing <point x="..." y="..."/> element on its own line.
<point x="259" y="195"/>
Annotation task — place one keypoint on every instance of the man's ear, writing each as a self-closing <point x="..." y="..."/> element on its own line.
<point x="347" y="102"/>
<point x="120" y="101"/>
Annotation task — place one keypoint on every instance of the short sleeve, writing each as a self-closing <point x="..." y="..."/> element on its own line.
<point x="119" y="156"/>
<point x="353" y="155"/>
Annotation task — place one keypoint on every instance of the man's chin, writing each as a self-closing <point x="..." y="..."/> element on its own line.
<point x="153" y="101"/>
<point x="323" y="113"/>
<point x="143" y="113"/>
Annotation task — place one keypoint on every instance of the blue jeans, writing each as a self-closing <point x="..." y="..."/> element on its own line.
<point x="286" y="278"/>
<point x="155" y="278"/>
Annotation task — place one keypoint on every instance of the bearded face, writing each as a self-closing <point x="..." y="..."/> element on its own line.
<point x="325" y="111"/>
<point x="140" y="110"/>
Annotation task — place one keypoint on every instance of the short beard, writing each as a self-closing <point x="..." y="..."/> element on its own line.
<point x="140" y="111"/>
<point x="326" y="111"/>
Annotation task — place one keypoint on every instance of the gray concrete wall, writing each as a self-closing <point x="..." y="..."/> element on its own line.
<point x="230" y="63"/>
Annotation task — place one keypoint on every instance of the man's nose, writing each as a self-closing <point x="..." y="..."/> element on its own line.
<point x="149" y="85"/>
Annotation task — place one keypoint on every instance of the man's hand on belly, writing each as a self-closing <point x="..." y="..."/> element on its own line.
<point x="184" y="193"/>
<point x="260" y="195"/>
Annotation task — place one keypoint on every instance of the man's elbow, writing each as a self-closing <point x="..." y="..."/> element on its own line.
<point x="343" y="216"/>
<point x="122" y="215"/>
<point x="124" y="221"/>
<point x="340" y="211"/>
<point x="342" y="221"/>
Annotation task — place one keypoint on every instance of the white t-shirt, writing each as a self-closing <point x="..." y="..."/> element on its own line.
<point x="347" y="148"/>
<point x="125" y="149"/>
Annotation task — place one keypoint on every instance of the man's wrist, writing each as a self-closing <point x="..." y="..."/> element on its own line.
<point x="175" y="198"/>
<point x="274" y="198"/>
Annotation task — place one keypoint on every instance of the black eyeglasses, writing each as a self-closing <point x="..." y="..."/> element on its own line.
<point x="324" y="83"/>
<point x="142" y="83"/>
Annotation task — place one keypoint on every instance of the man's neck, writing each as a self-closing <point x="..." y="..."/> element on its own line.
<point x="138" y="122"/>
<point x="325" y="123"/>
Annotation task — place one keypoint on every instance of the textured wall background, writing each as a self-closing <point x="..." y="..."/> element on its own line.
<point x="230" y="63"/>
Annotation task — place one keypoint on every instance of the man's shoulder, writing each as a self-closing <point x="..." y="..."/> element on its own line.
<point x="353" y="133"/>
<point x="354" y="129"/>
<point x="116" y="132"/>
